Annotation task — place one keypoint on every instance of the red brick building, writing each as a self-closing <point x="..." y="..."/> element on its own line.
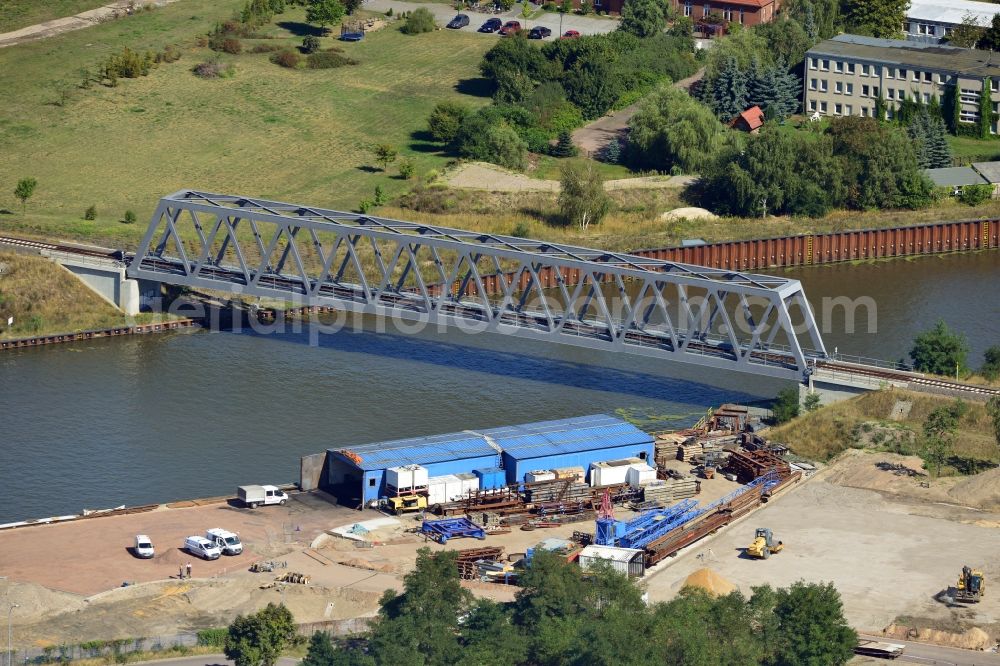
<point x="745" y="12"/>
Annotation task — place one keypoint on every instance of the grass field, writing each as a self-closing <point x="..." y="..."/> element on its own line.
<point x="17" y="14"/>
<point x="968" y="150"/>
<point x="45" y="298"/>
<point x="299" y="135"/>
<point x="826" y="432"/>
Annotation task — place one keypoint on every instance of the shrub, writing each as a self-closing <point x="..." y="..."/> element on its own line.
<point x="310" y="44"/>
<point x="389" y="12"/>
<point x="232" y="45"/>
<point x="521" y="230"/>
<point x="420" y="20"/>
<point x="365" y="205"/>
<point x="265" y="48"/>
<point x="170" y="53"/>
<point x="90" y="213"/>
<point x="129" y="218"/>
<point x="212" y="69"/>
<point x="287" y="58"/>
<point x="406" y="169"/>
<point x="445" y="120"/>
<point x="786" y="405"/>
<point x="974" y="195"/>
<point x="612" y="153"/>
<point x="213" y="637"/>
<point x="127" y="64"/>
<point x="329" y="59"/>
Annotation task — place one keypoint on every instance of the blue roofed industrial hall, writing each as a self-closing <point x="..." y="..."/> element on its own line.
<point x="358" y="474"/>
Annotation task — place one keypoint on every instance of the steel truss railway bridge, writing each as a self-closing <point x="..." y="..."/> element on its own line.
<point x="558" y="293"/>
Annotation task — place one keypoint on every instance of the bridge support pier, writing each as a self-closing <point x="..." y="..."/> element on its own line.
<point x="832" y="391"/>
<point x="104" y="277"/>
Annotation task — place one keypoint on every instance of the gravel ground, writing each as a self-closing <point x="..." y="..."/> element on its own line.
<point x="887" y="557"/>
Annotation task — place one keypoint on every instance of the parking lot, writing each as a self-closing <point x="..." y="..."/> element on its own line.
<point x="91" y="555"/>
<point x="585" y="25"/>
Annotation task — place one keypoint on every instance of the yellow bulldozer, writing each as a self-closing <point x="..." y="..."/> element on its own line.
<point x="404" y="504"/>
<point x="971" y="586"/>
<point x="764" y="544"/>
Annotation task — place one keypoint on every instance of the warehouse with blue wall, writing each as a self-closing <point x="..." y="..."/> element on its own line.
<point x="357" y="474"/>
<point x="575" y="442"/>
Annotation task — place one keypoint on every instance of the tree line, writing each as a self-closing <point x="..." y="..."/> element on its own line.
<point x="564" y="616"/>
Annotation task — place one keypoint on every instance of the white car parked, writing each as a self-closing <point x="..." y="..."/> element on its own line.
<point x="227" y="542"/>
<point x="143" y="547"/>
<point x="202" y="547"/>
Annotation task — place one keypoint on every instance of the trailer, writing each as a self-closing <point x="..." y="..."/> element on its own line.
<point x="452" y="528"/>
<point x="879" y="649"/>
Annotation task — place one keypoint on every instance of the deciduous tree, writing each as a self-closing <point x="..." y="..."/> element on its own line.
<point x="672" y="129"/>
<point x="385" y="154"/>
<point x="939" y="351"/>
<point x="643" y="18"/>
<point x="582" y="200"/>
<point x="811" y="626"/>
<point x="324" y="12"/>
<point x="990" y="40"/>
<point x="446" y="119"/>
<point x="258" y="639"/>
<point x="24" y="190"/>
<point x="877" y="18"/>
<point x="967" y="33"/>
<point x="991" y="363"/>
<point x="786" y="405"/>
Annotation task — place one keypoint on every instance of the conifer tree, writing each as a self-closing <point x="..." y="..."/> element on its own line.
<point x="729" y="90"/>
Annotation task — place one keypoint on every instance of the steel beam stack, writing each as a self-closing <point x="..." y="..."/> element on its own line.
<point x="751" y="465"/>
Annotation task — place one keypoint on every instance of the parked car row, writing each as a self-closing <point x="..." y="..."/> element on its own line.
<point x="509" y="28"/>
<point x="215" y="543"/>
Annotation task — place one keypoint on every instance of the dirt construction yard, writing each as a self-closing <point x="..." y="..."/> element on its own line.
<point x="889" y="546"/>
<point x="887" y="555"/>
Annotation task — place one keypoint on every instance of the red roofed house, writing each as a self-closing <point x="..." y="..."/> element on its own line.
<point x="750" y="120"/>
<point x="744" y="12"/>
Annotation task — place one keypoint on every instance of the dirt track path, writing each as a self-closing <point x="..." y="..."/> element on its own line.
<point x="482" y="176"/>
<point x="594" y="136"/>
<point x="69" y="23"/>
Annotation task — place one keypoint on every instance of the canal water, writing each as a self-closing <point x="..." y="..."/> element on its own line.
<point x="150" y="419"/>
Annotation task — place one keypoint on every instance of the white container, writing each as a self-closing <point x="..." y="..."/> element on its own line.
<point x="539" y="475"/>
<point x="400" y="478"/>
<point x="628" y="561"/>
<point x="442" y="489"/>
<point x="419" y="476"/>
<point x="470" y="483"/>
<point x="611" y="472"/>
<point x="639" y="475"/>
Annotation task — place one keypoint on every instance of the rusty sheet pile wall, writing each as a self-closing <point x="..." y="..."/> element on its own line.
<point x="803" y="250"/>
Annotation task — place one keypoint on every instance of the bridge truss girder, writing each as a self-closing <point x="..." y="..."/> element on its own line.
<point x="545" y="291"/>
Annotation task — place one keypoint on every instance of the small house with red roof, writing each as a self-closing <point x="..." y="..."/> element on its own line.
<point x="750" y="120"/>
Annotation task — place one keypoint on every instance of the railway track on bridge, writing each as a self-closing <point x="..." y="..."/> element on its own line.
<point x="69" y="248"/>
<point x="910" y="378"/>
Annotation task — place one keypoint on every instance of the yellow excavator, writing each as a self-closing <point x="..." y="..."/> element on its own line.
<point x="764" y="544"/>
<point x="971" y="586"/>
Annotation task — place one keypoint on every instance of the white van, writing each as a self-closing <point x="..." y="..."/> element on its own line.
<point x="202" y="547"/>
<point x="143" y="547"/>
<point x="227" y="542"/>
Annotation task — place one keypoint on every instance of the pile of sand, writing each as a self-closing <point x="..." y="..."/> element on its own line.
<point x="359" y="563"/>
<point x="688" y="213"/>
<point x="709" y="581"/>
<point x="35" y="601"/>
<point x="981" y="490"/>
<point x="972" y="639"/>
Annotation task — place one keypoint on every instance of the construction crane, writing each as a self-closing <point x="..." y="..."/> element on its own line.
<point x="764" y="544"/>
<point x="971" y="586"/>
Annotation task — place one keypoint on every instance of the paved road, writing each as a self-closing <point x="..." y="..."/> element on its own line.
<point x="68" y="23"/>
<point x="585" y="25"/>
<point x="936" y="655"/>
<point x="211" y="660"/>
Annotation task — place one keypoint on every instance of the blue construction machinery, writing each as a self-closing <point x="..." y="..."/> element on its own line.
<point x="452" y="528"/>
<point x="652" y="525"/>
